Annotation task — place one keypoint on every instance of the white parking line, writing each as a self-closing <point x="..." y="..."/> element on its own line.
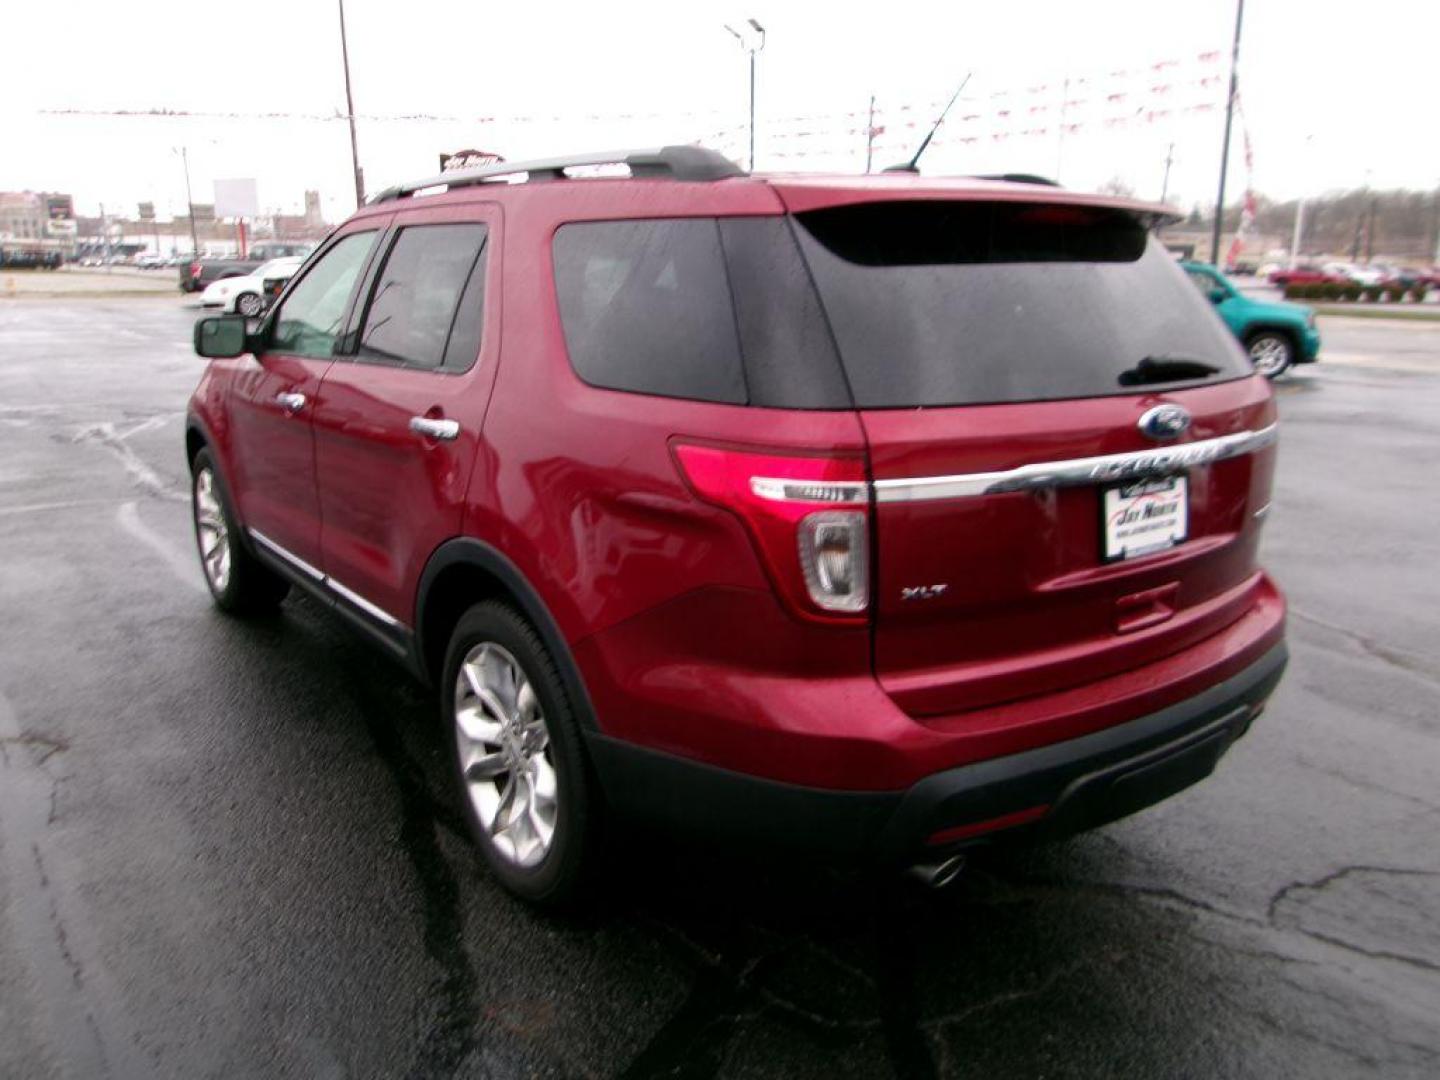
<point x="141" y="474"/>
<point x="37" y="508"/>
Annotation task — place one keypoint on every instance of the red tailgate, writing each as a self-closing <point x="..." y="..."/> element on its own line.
<point x="1014" y="598"/>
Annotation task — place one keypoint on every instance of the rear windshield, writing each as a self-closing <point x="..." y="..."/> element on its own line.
<point x="952" y="303"/>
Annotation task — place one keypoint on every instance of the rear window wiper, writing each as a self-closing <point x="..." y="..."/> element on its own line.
<point x="1154" y="369"/>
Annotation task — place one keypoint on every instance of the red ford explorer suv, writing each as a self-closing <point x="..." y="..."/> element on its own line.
<point x="872" y="516"/>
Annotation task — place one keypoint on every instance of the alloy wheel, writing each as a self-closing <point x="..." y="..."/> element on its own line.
<point x="212" y="531"/>
<point x="505" y="754"/>
<point x="1270" y="355"/>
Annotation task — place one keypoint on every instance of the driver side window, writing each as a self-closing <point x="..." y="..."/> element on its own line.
<point x="1202" y="281"/>
<point x="309" y="321"/>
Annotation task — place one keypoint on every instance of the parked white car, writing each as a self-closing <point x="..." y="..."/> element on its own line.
<point x="1360" y="275"/>
<point x="246" y="295"/>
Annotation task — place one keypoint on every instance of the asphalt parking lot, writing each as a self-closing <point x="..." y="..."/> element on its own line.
<point x="228" y="849"/>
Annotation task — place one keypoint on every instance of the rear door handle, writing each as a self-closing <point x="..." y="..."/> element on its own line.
<point x="446" y="430"/>
<point x="291" y="402"/>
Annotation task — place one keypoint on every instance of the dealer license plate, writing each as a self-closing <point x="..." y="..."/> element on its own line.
<point x="1144" y="517"/>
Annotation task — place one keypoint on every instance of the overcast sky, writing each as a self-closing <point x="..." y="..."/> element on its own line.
<point x="1335" y="94"/>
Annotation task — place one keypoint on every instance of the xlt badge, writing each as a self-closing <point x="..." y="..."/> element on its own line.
<point x="923" y="592"/>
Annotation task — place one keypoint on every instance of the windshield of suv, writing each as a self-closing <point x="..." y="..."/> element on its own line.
<point x="954" y="303"/>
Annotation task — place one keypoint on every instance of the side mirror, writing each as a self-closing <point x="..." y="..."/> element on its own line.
<point x="220" y="336"/>
<point x="1218" y="295"/>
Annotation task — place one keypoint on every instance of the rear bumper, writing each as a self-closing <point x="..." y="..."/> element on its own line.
<point x="1046" y="792"/>
<point x="1309" y="346"/>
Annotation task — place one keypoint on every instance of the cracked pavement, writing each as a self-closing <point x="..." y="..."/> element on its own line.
<point x="229" y="848"/>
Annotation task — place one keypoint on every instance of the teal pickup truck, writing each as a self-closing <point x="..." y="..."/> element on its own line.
<point x="1275" y="335"/>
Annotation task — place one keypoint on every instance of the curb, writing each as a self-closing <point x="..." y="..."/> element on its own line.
<point x="1378" y="312"/>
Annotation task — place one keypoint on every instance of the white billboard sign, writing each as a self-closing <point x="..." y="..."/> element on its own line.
<point x="236" y="199"/>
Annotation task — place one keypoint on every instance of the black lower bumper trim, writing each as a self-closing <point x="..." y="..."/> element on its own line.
<point x="1084" y="782"/>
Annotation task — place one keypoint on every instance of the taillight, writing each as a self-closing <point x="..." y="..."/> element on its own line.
<point x="195" y="269"/>
<point x="809" y="517"/>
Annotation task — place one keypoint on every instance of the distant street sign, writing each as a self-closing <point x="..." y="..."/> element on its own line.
<point x="236" y="199"/>
<point x="147" y="211"/>
<point x="468" y="159"/>
<point x="62" y="227"/>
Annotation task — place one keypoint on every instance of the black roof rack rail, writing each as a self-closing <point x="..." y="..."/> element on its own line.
<point x="695" y="163"/>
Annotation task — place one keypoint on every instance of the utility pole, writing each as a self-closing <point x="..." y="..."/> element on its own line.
<point x="1165" y="185"/>
<point x="870" y="135"/>
<point x="1225" y="147"/>
<point x="350" y="114"/>
<point x="752" y="48"/>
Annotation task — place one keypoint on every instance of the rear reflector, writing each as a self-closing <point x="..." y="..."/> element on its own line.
<point x="833" y="559"/>
<point x="977" y="828"/>
<point x="816" y="553"/>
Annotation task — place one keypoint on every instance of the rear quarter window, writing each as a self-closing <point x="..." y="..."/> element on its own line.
<point x="646" y="308"/>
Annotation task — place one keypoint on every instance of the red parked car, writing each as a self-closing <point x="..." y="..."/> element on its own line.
<point x="1305" y="275"/>
<point x="870" y="516"/>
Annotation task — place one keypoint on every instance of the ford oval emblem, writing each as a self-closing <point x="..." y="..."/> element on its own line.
<point x="1165" y="422"/>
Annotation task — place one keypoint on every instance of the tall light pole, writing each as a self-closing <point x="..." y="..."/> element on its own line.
<point x="1299" y="235"/>
<point x="350" y="114"/>
<point x="184" y="152"/>
<point x="1436" y="217"/>
<point x="752" y="46"/>
<point x="1225" y="147"/>
<point x="870" y="136"/>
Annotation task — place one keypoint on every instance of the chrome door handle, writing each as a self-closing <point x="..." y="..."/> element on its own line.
<point x="291" y="403"/>
<point x="446" y="430"/>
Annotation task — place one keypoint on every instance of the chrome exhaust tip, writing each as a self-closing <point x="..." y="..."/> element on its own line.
<point x="937" y="875"/>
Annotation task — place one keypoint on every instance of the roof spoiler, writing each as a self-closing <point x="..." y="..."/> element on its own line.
<point x="1021" y="178"/>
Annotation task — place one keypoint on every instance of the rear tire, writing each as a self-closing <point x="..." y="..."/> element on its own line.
<point x="517" y="757"/>
<point x="239" y="583"/>
<point x="1272" y="353"/>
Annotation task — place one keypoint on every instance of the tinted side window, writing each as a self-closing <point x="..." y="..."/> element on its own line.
<point x="309" y="320"/>
<point x="646" y="307"/>
<point x="416" y="299"/>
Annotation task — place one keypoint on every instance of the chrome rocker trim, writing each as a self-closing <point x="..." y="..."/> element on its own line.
<point x="321" y="578"/>
<point x="1076" y="471"/>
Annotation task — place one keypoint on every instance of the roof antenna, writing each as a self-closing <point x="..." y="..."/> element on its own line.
<point x="913" y="165"/>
